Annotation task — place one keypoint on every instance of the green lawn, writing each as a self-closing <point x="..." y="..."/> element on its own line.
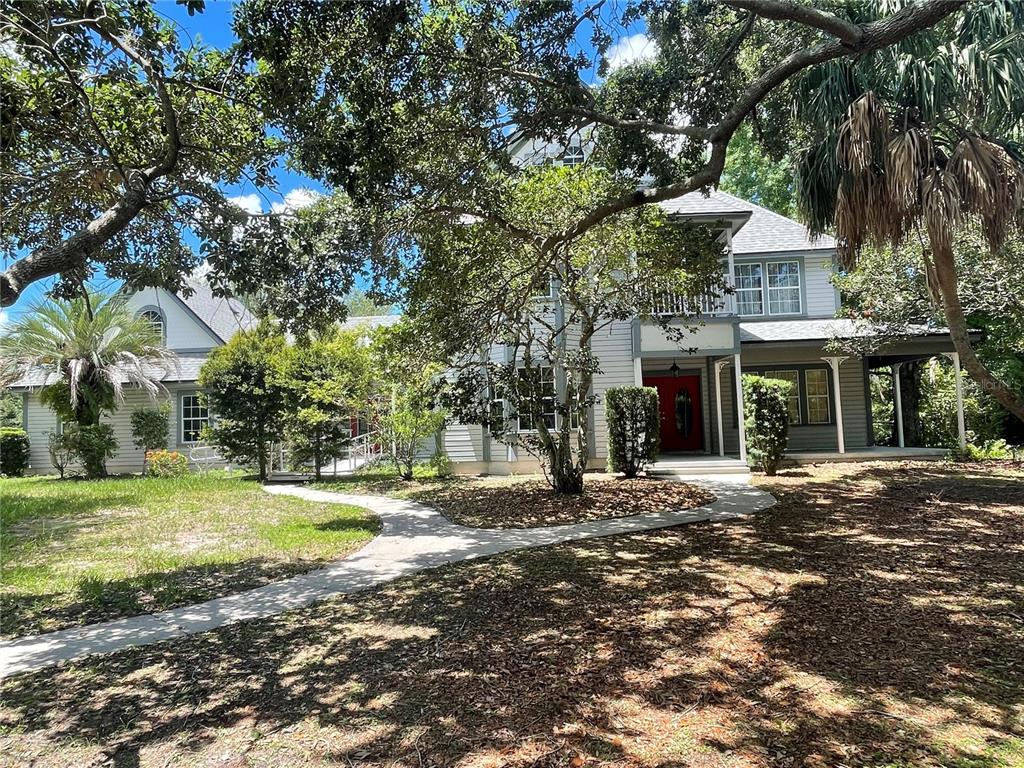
<point x="79" y="551"/>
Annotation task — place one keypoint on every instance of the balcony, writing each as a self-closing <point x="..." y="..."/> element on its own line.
<point x="666" y="302"/>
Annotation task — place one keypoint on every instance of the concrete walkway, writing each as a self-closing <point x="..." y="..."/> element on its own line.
<point x="414" y="537"/>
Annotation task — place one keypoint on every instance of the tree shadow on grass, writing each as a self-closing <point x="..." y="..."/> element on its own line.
<point x="865" y="621"/>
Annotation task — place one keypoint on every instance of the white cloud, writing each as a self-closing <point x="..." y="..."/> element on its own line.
<point x="248" y="203"/>
<point x="296" y="199"/>
<point x="627" y="50"/>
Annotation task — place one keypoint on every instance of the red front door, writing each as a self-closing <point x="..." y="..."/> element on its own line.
<point x="682" y="428"/>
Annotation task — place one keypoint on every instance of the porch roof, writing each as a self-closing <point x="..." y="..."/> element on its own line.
<point x="186" y="370"/>
<point x="778" y="331"/>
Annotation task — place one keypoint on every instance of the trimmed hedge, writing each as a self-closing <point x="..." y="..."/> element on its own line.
<point x="634" y="428"/>
<point x="14" y="451"/>
<point x="766" y="419"/>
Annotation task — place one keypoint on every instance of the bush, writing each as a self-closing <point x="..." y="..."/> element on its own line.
<point x="62" y="451"/>
<point x="990" y="450"/>
<point x="634" y="428"/>
<point x="92" y="445"/>
<point x="164" y="463"/>
<point x="441" y="465"/>
<point x="151" y="428"/>
<point x="14" y="451"/>
<point x="766" y="419"/>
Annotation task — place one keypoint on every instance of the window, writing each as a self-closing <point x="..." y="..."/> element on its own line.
<point x="749" y="289"/>
<point x="156" y="319"/>
<point x="816" y="387"/>
<point x="545" y="288"/>
<point x="793" y="377"/>
<point x="543" y="387"/>
<point x="194" y="416"/>
<point x="573" y="156"/>
<point x="784" y="288"/>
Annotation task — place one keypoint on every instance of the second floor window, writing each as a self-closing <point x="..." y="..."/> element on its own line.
<point x="768" y="288"/>
<point x="573" y="156"/>
<point x="749" y="289"/>
<point x="156" y="319"/>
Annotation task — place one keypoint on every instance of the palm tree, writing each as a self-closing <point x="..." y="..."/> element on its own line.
<point x="916" y="141"/>
<point x="90" y="349"/>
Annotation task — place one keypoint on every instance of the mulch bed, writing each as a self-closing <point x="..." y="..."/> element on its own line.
<point x="530" y="502"/>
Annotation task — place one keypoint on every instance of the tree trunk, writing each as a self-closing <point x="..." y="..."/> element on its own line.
<point x="946" y="279"/>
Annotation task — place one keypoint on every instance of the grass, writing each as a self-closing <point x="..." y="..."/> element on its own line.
<point x="874" y="617"/>
<point x="80" y="551"/>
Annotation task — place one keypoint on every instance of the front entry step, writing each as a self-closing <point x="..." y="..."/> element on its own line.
<point x="698" y="465"/>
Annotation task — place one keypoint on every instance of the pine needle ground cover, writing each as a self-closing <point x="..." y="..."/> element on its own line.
<point x="872" y="618"/>
<point x="81" y="551"/>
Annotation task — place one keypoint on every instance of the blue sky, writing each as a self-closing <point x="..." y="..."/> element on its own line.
<point x="213" y="28"/>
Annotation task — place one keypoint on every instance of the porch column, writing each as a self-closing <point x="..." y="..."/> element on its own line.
<point x="719" y="367"/>
<point x="835" y="362"/>
<point x="638" y="372"/>
<point x="730" y="298"/>
<point x="961" y="425"/>
<point x="742" y="430"/>
<point x="898" y="394"/>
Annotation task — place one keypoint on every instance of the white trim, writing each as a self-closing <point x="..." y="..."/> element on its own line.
<point x="961" y="424"/>
<point x="740" y="418"/>
<point x="835" y="362"/>
<point x="719" y="366"/>
<point x="898" y="396"/>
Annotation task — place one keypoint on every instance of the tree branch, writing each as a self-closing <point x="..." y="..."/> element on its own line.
<point x="787" y="10"/>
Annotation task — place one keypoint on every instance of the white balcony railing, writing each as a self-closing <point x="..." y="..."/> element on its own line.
<point x="713" y="303"/>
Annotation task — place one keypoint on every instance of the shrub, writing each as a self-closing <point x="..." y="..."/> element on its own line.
<point x="14" y="451"/>
<point x="92" y="445"/>
<point x="62" y="451"/>
<point x="151" y="428"/>
<point x="164" y="463"/>
<point x="990" y="450"/>
<point x="634" y="428"/>
<point x="766" y="419"/>
<point x="441" y="465"/>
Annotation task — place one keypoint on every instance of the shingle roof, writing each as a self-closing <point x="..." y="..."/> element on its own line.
<point x="764" y="232"/>
<point x="819" y="330"/>
<point x="224" y="316"/>
<point x="186" y="369"/>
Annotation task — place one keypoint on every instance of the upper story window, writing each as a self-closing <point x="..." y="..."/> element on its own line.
<point x="156" y="318"/>
<point x="573" y="156"/>
<point x="773" y="286"/>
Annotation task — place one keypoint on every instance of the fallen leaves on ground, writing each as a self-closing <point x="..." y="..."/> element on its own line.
<point x="529" y="502"/>
<point x="872" y="618"/>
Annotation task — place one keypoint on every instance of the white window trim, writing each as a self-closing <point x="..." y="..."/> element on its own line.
<point x="798" y="287"/>
<point x="826" y="396"/>
<point x="181" y="418"/>
<point x="746" y="291"/>
<point x="162" y="320"/>
<point x="766" y="290"/>
<point x="554" y="401"/>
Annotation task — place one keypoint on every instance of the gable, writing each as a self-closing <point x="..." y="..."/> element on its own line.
<point x="183" y="329"/>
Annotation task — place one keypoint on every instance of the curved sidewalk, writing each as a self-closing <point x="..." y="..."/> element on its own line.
<point x="414" y="537"/>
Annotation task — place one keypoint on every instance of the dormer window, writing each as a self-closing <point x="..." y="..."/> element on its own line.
<point x="155" y="318"/>
<point x="573" y="156"/>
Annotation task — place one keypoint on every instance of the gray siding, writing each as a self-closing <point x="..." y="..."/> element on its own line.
<point x="613" y="347"/>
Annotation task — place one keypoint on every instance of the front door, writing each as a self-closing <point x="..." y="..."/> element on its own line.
<point x="682" y="428"/>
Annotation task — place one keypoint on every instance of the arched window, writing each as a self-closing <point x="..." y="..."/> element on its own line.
<point x="573" y="156"/>
<point x="156" y="318"/>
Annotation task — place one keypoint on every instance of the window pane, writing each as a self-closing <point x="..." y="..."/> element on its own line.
<point x="545" y="390"/>
<point x="194" y="416"/>
<point x="816" y="383"/>
<point x="155" y="319"/>
<point x="784" y="287"/>
<point x="749" y="283"/>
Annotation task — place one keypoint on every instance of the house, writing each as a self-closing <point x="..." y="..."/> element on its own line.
<point x="779" y="322"/>
<point x="192" y="326"/>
